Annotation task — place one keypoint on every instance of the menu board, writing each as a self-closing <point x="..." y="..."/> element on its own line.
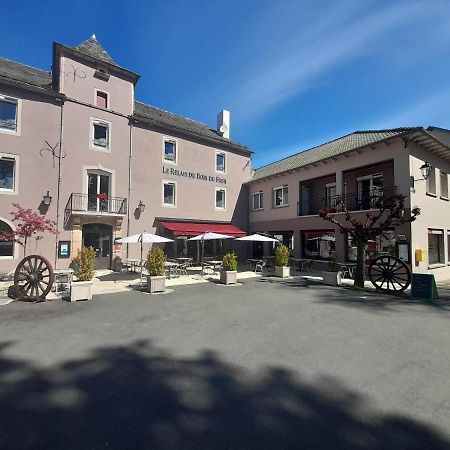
<point x="423" y="286"/>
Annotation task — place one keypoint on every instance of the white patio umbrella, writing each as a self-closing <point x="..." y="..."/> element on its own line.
<point x="208" y="236"/>
<point x="257" y="238"/>
<point x="143" y="238"/>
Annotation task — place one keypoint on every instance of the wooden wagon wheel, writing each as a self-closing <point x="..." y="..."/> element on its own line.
<point x="389" y="274"/>
<point x="33" y="278"/>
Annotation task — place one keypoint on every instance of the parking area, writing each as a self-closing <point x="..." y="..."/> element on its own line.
<point x="266" y="364"/>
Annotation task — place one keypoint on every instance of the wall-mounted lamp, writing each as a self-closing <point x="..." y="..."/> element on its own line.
<point x="425" y="170"/>
<point x="47" y="198"/>
<point x="141" y="206"/>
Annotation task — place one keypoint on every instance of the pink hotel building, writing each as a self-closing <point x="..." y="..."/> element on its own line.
<point x="114" y="167"/>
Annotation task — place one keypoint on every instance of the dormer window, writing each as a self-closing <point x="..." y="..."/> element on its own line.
<point x="101" y="99"/>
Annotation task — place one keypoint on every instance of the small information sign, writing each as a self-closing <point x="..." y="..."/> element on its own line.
<point x="423" y="286"/>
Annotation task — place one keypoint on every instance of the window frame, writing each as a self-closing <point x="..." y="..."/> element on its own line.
<point x="261" y="200"/>
<point x="108" y="96"/>
<point x="92" y="146"/>
<point x="174" y="141"/>
<point x="18" y="102"/>
<point x="224" y="171"/>
<point x="169" y="205"/>
<point x="442" y="175"/>
<point x="431" y="177"/>
<point x="14" y="244"/>
<point x="274" y="189"/>
<point x="15" y="190"/>
<point x="440" y="251"/>
<point x="224" y="190"/>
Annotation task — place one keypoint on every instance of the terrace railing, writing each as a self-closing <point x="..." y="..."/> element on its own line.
<point x="356" y="201"/>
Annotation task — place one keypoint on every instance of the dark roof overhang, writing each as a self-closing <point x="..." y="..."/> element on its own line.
<point x="135" y="118"/>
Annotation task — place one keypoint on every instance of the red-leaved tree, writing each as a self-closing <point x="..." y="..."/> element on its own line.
<point x="387" y="212"/>
<point x="29" y="225"/>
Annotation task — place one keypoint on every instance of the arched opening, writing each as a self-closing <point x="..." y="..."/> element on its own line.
<point x="6" y="247"/>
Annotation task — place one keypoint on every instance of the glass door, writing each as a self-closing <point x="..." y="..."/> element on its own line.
<point x="369" y="187"/>
<point x="98" y="192"/>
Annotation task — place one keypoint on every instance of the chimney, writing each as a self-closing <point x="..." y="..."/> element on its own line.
<point x="223" y="123"/>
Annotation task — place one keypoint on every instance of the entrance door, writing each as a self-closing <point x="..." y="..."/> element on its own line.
<point x="99" y="236"/>
<point x="98" y="191"/>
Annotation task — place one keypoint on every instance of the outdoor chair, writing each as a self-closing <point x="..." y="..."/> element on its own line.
<point x="182" y="268"/>
<point x="208" y="268"/>
<point x="262" y="266"/>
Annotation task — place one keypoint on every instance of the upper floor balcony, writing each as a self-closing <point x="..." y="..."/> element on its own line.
<point x="355" y="201"/>
<point x="97" y="205"/>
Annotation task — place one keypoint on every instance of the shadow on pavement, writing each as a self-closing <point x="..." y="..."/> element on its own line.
<point x="139" y="396"/>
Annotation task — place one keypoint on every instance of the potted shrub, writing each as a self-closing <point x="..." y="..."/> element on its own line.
<point x="333" y="275"/>
<point x="156" y="281"/>
<point x="282" y="268"/>
<point x="85" y="268"/>
<point x="228" y="274"/>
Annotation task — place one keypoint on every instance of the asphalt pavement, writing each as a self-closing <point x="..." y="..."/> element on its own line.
<point x="264" y="365"/>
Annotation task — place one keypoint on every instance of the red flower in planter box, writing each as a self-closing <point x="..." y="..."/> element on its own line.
<point x="102" y="196"/>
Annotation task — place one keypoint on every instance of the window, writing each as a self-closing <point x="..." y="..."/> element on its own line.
<point x="319" y="244"/>
<point x="7" y="174"/>
<point x="444" y="185"/>
<point x="448" y="246"/>
<point x="220" y="198"/>
<point x="101" y="99"/>
<point x="99" y="191"/>
<point x="431" y="182"/>
<point x="169" y="193"/>
<point x="330" y="195"/>
<point x="435" y="246"/>
<point x="220" y="162"/>
<point x="6" y="246"/>
<point x="100" y="135"/>
<point x="280" y="196"/>
<point x="170" y="151"/>
<point x="8" y="114"/>
<point x="382" y="244"/>
<point x="256" y="200"/>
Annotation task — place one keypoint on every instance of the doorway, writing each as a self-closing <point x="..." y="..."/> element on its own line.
<point x="99" y="236"/>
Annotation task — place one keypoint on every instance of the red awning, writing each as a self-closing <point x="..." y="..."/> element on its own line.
<point x="194" y="229"/>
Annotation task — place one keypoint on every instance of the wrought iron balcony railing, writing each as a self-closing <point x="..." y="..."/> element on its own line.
<point x="96" y="205"/>
<point x="356" y="201"/>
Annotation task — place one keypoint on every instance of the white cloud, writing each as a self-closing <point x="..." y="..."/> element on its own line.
<point x="334" y="39"/>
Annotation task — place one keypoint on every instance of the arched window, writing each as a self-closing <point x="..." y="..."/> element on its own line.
<point x="6" y="247"/>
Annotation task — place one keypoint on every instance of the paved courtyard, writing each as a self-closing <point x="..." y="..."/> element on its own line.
<point x="267" y="365"/>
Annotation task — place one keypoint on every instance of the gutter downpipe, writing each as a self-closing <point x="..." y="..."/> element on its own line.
<point x="130" y="155"/>
<point x="58" y="190"/>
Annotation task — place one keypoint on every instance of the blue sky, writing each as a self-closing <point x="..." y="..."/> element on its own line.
<point x="293" y="73"/>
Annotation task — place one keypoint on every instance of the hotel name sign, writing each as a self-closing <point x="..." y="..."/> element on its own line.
<point x="193" y="175"/>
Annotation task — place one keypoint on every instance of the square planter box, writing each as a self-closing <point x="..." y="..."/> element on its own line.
<point x="332" y="278"/>
<point x="156" y="284"/>
<point x="282" y="271"/>
<point x="228" y="276"/>
<point x="81" y="290"/>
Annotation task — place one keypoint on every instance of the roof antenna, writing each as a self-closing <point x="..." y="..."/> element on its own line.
<point x="93" y="36"/>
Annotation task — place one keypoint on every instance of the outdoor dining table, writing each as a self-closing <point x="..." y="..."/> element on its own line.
<point x="132" y="264"/>
<point x="303" y="264"/>
<point x="216" y="263"/>
<point x="171" y="266"/>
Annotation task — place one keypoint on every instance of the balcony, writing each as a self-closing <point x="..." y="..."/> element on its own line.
<point x="354" y="201"/>
<point x="83" y="204"/>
